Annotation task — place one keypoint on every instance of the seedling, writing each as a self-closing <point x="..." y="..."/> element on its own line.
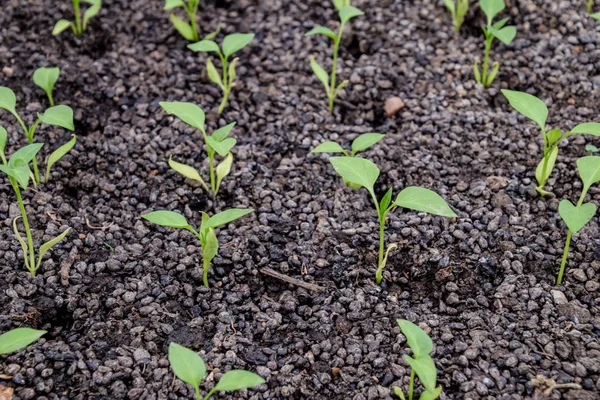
<point x="458" y="9"/>
<point x="339" y="4"/>
<point x="190" y="368"/>
<point x="421" y="363"/>
<point x="217" y="143"/>
<point x="363" y="172"/>
<point x="346" y="13"/>
<point x="19" y="338"/>
<point x="188" y="30"/>
<point x="78" y="27"/>
<point x="231" y="44"/>
<point x="18" y="172"/>
<point x="46" y="78"/>
<point x="591" y="149"/>
<point x="505" y="34"/>
<point x="533" y="108"/>
<point x="206" y="234"/>
<point x="361" y="143"/>
<point x="576" y="217"/>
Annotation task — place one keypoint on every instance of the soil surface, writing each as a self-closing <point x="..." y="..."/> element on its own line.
<point x="116" y="292"/>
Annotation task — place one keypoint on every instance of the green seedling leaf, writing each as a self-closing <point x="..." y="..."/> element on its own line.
<point x="213" y="74"/>
<point x="223" y="132"/>
<point x="385" y="201"/>
<point x="342" y="85"/>
<point x="8" y="100"/>
<point x="359" y="171"/>
<point x="590" y="148"/>
<point x="449" y="5"/>
<point x="418" y="341"/>
<point x="491" y="8"/>
<point x="58" y="115"/>
<point x="46" y="78"/>
<point x="231" y="70"/>
<point x="398" y="392"/>
<point x="210" y="247"/>
<point x="431" y="395"/>
<point x="554" y="135"/>
<point x="576" y="217"/>
<point x="25" y="153"/>
<point x="223" y="169"/>
<point x="329" y="147"/>
<point x="171" y="4"/>
<point x="539" y="170"/>
<point x="21" y="241"/>
<point x="182" y="27"/>
<point x="223" y="147"/>
<point x="500" y="24"/>
<point x="365" y="141"/>
<point x="321" y="30"/>
<point x="189" y="113"/>
<point x="187" y="171"/>
<point x="61" y="26"/>
<point x="235" y="42"/>
<point x="589" y="170"/>
<point x="476" y="71"/>
<point x="3" y="139"/>
<point x="204" y="46"/>
<point x="167" y="218"/>
<point x="186" y="364"/>
<point x="596" y="16"/>
<point x="528" y="106"/>
<point x="348" y="12"/>
<point x="320" y="73"/>
<point x="58" y="154"/>
<point x="19" y="338"/>
<point x="338" y="4"/>
<point x="425" y="200"/>
<point x="424" y="367"/>
<point x="213" y="34"/>
<point x="492" y="75"/>
<point x="49" y="245"/>
<point x="226" y="217"/>
<point x="238" y="379"/>
<point x="19" y="170"/>
<point x="505" y="35"/>
<point x="91" y="12"/>
<point x="588" y="128"/>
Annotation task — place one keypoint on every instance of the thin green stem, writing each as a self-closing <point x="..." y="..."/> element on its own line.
<point x="22" y="125"/>
<point x="589" y="6"/>
<point x="411" y="386"/>
<point x="563" y="263"/>
<point x="197" y="390"/>
<point x="30" y="135"/>
<point x="486" y="59"/>
<point x="336" y="48"/>
<point x="226" y="84"/>
<point x="212" y="391"/>
<point x="211" y="165"/>
<point x="31" y="268"/>
<point x="51" y="99"/>
<point x="78" y="26"/>
<point x="192" y="15"/>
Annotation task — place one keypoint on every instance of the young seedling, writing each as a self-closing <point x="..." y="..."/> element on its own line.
<point x="458" y="9"/>
<point x="19" y="338"/>
<point x="505" y="34"/>
<point x="346" y="13"/>
<point x="364" y="173"/>
<point x="361" y="143"/>
<point x="46" y="78"/>
<point x="576" y="217"/>
<point x="206" y="234"/>
<point x="231" y="44"/>
<point x="217" y="143"/>
<point x="591" y="149"/>
<point x="190" y="368"/>
<point x="57" y="115"/>
<point x="188" y="31"/>
<point x="78" y="27"/>
<point x="18" y="172"/>
<point x="589" y="6"/>
<point x="533" y="108"/>
<point x="421" y="363"/>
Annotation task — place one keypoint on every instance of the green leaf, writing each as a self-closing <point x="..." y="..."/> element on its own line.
<point x="338" y="4"/>
<point x="8" y="100"/>
<point x="58" y="154"/>
<point x="213" y="34"/>
<point x="182" y="27"/>
<point x="210" y="247"/>
<point x="91" y="12"/>
<point x="186" y="364"/>
<point x="320" y="73"/>
<point x="223" y="147"/>
<point x="223" y="132"/>
<point x="418" y="341"/>
<point x="576" y="217"/>
<point x="226" y="217"/>
<point x="590" y="148"/>
<point x="589" y="170"/>
<point x="18" y="170"/>
<point x="21" y="241"/>
<point x="491" y="8"/>
<point x="223" y="169"/>
<point x="26" y="153"/>
<point x="359" y="171"/>
<point x="500" y="24"/>
<point x="46" y="78"/>
<point x="187" y="171"/>
<point x="61" y="26"/>
<point x="19" y="338"/>
<point x="587" y="128"/>
<point x="49" y="245"/>
<point x="189" y="113"/>
<point x="348" y="12"/>
<point x="540" y="167"/>
<point x="398" y="392"/>
<point x="385" y="202"/>
<point x="476" y="71"/>
<point x="449" y="5"/>
<point x="365" y="141"/>
<point x="58" y="115"/>
<point x="167" y="218"/>
<point x="328" y="147"/>
<point x="424" y="367"/>
<point x="321" y="30"/>
<point x="231" y="70"/>
<point x="528" y="105"/>
<point x="554" y="135"/>
<point x="492" y="75"/>
<point x="431" y="394"/>
<point x="213" y="74"/>
<point x="204" y="46"/>
<point x="238" y="379"/>
<point x="505" y="35"/>
<point x="171" y="4"/>
<point x="3" y="139"/>
<point x="235" y="42"/>
<point x="425" y="200"/>
<point x="596" y="16"/>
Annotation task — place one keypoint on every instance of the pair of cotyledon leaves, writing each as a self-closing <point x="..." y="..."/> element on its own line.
<point x="92" y="11"/>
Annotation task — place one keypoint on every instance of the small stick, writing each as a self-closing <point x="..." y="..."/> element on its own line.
<point x="293" y="281"/>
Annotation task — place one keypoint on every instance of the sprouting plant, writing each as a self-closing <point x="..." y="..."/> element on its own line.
<point x="46" y="78"/>
<point x="420" y="363"/>
<point x="458" y="9"/>
<point x="591" y="149"/>
<point x="576" y="217"/>
<point x="361" y="143"/>
<point x="188" y="31"/>
<point x="206" y="234"/>
<point x="218" y="143"/>
<point x="189" y="367"/>
<point x="78" y="27"/>
<point x="18" y="172"/>
<point x="346" y="13"/>
<point x="505" y="34"/>
<point x="363" y="172"/>
<point x="231" y="44"/>
<point x="533" y="108"/>
<point x="19" y="338"/>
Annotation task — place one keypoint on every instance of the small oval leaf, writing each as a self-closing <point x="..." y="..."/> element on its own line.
<point x="235" y="42"/>
<point x="19" y="338"/>
<point x="58" y="115"/>
<point x="238" y="379"/>
<point x="186" y="364"/>
<point x="167" y="218"/>
<point x="189" y="113"/>
<point x="425" y="200"/>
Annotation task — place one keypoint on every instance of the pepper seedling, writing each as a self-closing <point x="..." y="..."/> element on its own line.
<point x="57" y="115"/>
<point x="18" y="338"/>
<point x="46" y="78"/>
<point x="346" y="13"/>
<point x="78" y="27"/>
<point x="361" y="143"/>
<point x="206" y="234"/>
<point x="534" y="109"/>
<point x="497" y="30"/>
<point x="18" y="172"/>
<point x="188" y="30"/>
<point x="189" y="367"/>
<point x="458" y="9"/>
<point x="421" y="363"/>
<point x="231" y="44"/>
<point x="576" y="217"/>
<point x="364" y="173"/>
<point x="217" y="143"/>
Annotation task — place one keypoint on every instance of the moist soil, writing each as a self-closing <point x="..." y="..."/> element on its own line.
<point x="116" y="292"/>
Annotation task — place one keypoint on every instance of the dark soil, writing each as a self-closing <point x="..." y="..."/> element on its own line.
<point x="483" y="285"/>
